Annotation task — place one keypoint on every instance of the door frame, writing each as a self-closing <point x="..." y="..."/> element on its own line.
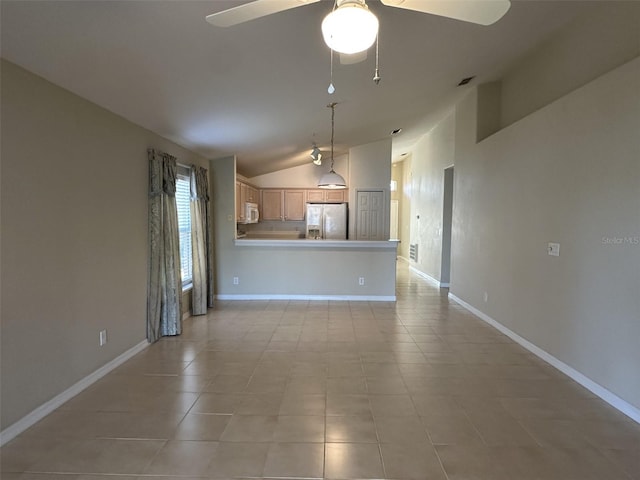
<point x="447" y="226"/>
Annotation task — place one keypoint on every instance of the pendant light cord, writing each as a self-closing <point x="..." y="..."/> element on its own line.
<point x="333" y="115"/>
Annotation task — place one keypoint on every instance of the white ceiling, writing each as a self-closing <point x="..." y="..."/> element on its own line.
<point x="259" y="90"/>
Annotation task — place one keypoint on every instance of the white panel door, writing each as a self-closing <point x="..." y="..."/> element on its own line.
<point x="370" y="212"/>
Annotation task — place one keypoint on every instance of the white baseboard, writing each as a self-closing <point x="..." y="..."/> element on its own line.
<point x="341" y="298"/>
<point x="46" y="408"/>
<point x="606" y="395"/>
<point x="428" y="277"/>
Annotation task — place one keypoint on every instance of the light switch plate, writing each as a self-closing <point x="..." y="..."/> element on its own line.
<point x="554" y="249"/>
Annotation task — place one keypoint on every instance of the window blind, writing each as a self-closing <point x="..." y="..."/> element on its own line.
<point x="183" y="200"/>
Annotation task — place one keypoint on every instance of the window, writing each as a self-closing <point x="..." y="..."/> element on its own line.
<point x="183" y="203"/>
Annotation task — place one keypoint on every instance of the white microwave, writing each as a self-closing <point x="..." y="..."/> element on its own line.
<point x="251" y="214"/>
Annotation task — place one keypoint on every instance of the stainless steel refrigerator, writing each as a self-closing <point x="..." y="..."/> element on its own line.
<point x="327" y="221"/>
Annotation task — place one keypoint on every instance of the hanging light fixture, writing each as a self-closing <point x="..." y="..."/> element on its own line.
<point x="316" y="155"/>
<point x="350" y="27"/>
<point x="332" y="180"/>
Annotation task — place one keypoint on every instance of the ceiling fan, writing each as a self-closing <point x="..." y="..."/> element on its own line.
<point x="482" y="12"/>
<point x="351" y="28"/>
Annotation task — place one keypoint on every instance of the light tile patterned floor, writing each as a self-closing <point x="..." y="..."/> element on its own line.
<point x="417" y="389"/>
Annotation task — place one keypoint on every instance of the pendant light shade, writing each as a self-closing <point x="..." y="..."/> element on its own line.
<point x="332" y="180"/>
<point x="350" y="28"/>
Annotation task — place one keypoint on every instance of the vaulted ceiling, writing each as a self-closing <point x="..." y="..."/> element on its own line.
<point x="259" y="90"/>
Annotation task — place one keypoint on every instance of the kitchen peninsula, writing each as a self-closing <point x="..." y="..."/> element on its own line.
<point x="298" y="268"/>
<point x="306" y="269"/>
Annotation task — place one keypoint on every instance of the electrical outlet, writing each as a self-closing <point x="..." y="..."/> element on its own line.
<point x="236" y="281"/>
<point x="553" y="249"/>
<point x="361" y="281"/>
<point x="103" y="338"/>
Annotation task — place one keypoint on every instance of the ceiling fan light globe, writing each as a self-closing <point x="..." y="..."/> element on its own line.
<point x="350" y="29"/>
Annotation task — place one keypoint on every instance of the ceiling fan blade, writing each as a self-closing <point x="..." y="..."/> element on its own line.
<point x="482" y="12"/>
<point x="253" y="10"/>
<point x="350" y="59"/>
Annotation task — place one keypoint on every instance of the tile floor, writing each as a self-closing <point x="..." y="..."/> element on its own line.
<point x="417" y="389"/>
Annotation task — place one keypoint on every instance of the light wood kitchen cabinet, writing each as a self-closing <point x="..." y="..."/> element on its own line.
<point x="327" y="196"/>
<point x="290" y="204"/>
<point x="245" y="193"/>
<point x="294" y="204"/>
<point x="272" y="205"/>
<point x="239" y="203"/>
<point x="283" y="204"/>
<point x="253" y="194"/>
<point x="337" y="196"/>
<point x="315" y="196"/>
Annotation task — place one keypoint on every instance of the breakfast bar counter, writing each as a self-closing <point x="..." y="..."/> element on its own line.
<point x="301" y="269"/>
<point x="310" y="243"/>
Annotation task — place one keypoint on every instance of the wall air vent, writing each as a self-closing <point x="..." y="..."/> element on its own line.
<point x="464" y="81"/>
<point x="413" y="252"/>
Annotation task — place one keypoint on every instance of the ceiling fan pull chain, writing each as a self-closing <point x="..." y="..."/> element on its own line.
<point x="331" y="88"/>
<point x="376" y="74"/>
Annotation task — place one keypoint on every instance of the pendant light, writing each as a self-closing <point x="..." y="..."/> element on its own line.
<point x="350" y="27"/>
<point x="316" y="155"/>
<point x="332" y="180"/>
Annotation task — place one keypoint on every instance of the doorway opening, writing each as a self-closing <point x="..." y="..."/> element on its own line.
<point x="394" y="234"/>
<point x="447" y="221"/>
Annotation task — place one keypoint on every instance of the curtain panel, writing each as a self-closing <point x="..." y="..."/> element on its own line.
<point x="202" y="292"/>
<point x="164" y="296"/>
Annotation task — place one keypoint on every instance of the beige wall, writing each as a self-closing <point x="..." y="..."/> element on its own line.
<point x="602" y="39"/>
<point x="565" y="169"/>
<point x="74" y="238"/>
<point x="222" y="174"/>
<point x="568" y="173"/>
<point x="369" y="169"/>
<point x="431" y="155"/>
<point x="405" y="207"/>
<point x="303" y="176"/>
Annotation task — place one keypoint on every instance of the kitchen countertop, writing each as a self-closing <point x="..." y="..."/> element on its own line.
<point x="309" y="243"/>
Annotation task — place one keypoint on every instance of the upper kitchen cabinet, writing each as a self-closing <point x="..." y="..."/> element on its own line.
<point x="283" y="204"/>
<point x="327" y="196"/>
<point x="294" y="204"/>
<point x="253" y="194"/>
<point x="245" y="193"/>
<point x="272" y="206"/>
<point x="240" y="201"/>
